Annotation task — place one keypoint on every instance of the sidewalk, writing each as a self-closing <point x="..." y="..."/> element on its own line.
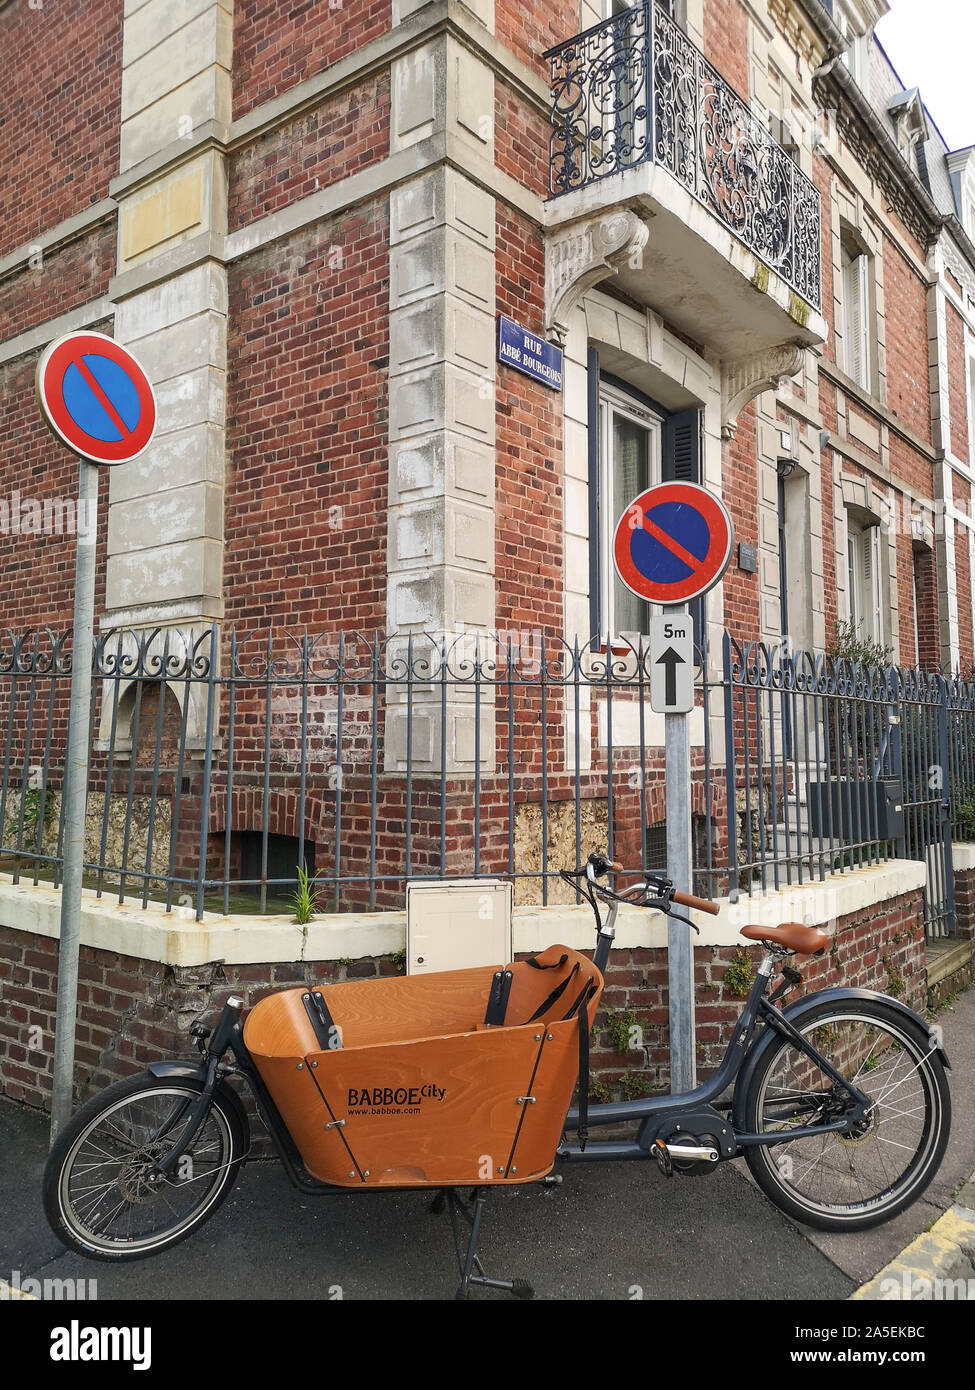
<point x="608" y="1232"/>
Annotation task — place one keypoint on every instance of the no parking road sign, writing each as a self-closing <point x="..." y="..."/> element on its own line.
<point x="673" y="543"/>
<point x="96" y="398"/>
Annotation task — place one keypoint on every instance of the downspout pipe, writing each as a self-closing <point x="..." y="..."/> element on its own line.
<point x="821" y="20"/>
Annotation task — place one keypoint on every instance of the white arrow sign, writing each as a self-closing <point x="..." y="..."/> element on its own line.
<point x="671" y="663"/>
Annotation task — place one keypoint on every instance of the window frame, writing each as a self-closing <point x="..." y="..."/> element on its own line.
<point x="616" y="399"/>
<point x="857" y="294"/>
<point x="868" y="612"/>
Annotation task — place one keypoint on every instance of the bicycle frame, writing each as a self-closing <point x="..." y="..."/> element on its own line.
<point x="695" y="1112"/>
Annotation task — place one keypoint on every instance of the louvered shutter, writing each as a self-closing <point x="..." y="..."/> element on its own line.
<point x="683" y="449"/>
<point x="873" y="585"/>
<point x="856" y="301"/>
<point x="866" y="582"/>
<point x="853" y="319"/>
<point x="854" y="576"/>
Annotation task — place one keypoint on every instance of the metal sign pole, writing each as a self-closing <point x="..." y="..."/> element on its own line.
<point x="680" y="950"/>
<point x="671" y="545"/>
<point x="75" y="796"/>
<point x="96" y="398"/>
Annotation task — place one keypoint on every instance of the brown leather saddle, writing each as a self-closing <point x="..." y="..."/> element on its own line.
<point x="805" y="941"/>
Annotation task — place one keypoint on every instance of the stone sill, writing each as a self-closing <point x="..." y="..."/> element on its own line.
<point x="179" y="940"/>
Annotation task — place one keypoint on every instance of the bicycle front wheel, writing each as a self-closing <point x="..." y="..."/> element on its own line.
<point x="840" y="1181"/>
<point x="100" y="1195"/>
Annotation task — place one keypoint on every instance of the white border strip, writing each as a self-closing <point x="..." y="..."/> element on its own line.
<point x="176" y="938"/>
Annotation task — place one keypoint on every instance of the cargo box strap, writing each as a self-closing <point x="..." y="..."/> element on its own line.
<point x="321" y="1020"/>
<point x="556" y="994"/>
<point x="498" y="999"/>
<point x="536" y="964"/>
<point x="582" y="1014"/>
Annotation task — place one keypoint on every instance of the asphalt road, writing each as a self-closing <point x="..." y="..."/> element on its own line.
<point x="610" y="1231"/>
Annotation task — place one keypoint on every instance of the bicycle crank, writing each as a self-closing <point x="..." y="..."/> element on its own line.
<point x="687" y="1154"/>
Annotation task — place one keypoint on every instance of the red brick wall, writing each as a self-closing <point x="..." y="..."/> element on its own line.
<point x="331" y="142"/>
<point x="521" y="140"/>
<point x="529" y="28"/>
<point x="726" y="41"/>
<point x="529" y="524"/>
<point x="928" y="625"/>
<point x="740" y="491"/>
<point x="59" y="111"/>
<point x="132" y="1012"/>
<point x="965" y="903"/>
<point x="70" y="276"/>
<point x="905" y="304"/>
<point x="914" y="467"/>
<point x="822" y="178"/>
<point x="963" y="570"/>
<point x="307" y="440"/>
<point x="957" y="385"/>
<point x="277" y="46"/>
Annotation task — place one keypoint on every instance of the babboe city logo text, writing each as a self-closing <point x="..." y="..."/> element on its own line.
<point x="402" y="1100"/>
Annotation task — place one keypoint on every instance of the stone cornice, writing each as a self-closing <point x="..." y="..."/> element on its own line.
<point x="58" y="236"/>
<point x="876" y="408"/>
<point x="807" y="27"/>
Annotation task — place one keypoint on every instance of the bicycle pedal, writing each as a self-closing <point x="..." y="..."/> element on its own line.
<point x="664" y="1161"/>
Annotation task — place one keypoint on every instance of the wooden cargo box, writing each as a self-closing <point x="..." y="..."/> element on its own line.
<point x="415" y="1089"/>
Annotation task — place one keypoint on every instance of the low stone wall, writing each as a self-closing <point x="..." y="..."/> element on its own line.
<point x="146" y="976"/>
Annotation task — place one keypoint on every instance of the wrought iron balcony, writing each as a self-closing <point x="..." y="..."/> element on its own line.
<point x="633" y="90"/>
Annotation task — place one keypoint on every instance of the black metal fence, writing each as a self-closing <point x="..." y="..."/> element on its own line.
<point x="220" y="762"/>
<point x="634" y="89"/>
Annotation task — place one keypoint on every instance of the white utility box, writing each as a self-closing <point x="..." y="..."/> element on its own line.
<point x="457" y="925"/>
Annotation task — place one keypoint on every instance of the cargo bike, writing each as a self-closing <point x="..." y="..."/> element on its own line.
<point x="463" y="1080"/>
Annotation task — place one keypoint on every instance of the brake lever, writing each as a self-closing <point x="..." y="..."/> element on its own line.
<point x="679" y="917"/>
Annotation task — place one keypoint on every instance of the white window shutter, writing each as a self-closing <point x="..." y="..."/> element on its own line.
<point x="852" y="319"/>
<point x="863" y="265"/>
<point x="853" y="575"/>
<point x="874" y="587"/>
<point x="866" y="581"/>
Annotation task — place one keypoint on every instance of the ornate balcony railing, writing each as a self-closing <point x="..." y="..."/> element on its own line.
<point x="634" y="89"/>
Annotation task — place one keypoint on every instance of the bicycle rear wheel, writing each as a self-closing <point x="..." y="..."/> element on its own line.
<point x="848" y="1182"/>
<point x="99" y="1194"/>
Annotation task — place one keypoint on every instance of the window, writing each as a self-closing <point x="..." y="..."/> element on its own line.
<point x="857" y="292"/>
<point x="865" y="566"/>
<point x="630" y="462"/>
<point x="854" y="55"/>
<point x="633" y="445"/>
<point x="674" y="8"/>
<point x="284" y="856"/>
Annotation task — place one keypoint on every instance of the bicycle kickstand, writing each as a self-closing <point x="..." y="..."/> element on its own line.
<point x="468" y="1261"/>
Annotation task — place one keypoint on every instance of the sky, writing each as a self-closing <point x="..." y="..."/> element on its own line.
<point x="931" y="44"/>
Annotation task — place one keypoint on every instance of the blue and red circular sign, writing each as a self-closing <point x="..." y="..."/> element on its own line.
<point x="96" y="397"/>
<point x="673" y="543"/>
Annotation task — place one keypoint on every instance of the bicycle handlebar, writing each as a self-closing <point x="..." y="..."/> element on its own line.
<point x="597" y="865"/>
<point x="702" y="904"/>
